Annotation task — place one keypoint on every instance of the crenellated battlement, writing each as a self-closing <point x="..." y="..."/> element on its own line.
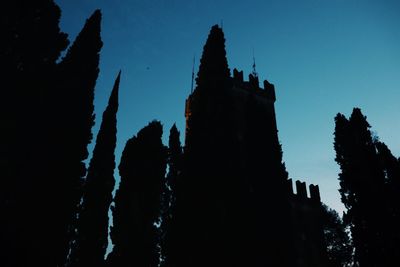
<point x="306" y="223"/>
<point x="238" y="76"/>
<point x="253" y="85"/>
<point x="301" y="191"/>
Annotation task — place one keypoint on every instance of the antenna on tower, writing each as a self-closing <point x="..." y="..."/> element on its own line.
<point x="191" y="87"/>
<point x="222" y="24"/>
<point x="254" y="72"/>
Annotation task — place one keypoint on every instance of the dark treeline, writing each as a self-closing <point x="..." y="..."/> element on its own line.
<point x="47" y="116"/>
<point x="222" y="199"/>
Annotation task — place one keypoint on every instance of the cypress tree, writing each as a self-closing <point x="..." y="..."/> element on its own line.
<point x="31" y="44"/>
<point x="361" y="181"/>
<point x="175" y="154"/>
<point x="92" y="229"/>
<point x="77" y="75"/>
<point x="175" y="157"/>
<point x="204" y="194"/>
<point x="213" y="71"/>
<point x="138" y="200"/>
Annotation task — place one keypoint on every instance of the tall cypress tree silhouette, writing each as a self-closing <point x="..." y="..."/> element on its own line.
<point x="362" y="182"/>
<point x="92" y="228"/>
<point x="138" y="200"/>
<point x="213" y="71"/>
<point x="175" y="161"/>
<point x="77" y="75"/>
<point x="31" y="44"/>
<point x="203" y="194"/>
<point x="174" y="158"/>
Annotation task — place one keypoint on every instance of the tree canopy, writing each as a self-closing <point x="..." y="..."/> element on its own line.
<point x="138" y="200"/>
<point x="367" y="171"/>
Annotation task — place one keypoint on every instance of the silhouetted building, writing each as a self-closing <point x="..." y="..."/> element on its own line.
<point x="234" y="192"/>
<point x="308" y="235"/>
<point x="240" y="91"/>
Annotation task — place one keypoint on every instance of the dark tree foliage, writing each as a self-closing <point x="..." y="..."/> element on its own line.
<point x="30" y="45"/>
<point x="92" y="228"/>
<point x="213" y="71"/>
<point x="362" y="189"/>
<point x="74" y="118"/>
<point x="391" y="168"/>
<point x="390" y="164"/>
<point x="175" y="154"/>
<point x="175" y="158"/>
<point x="337" y="240"/>
<point x="31" y="37"/>
<point x="138" y="200"/>
<point x="266" y="176"/>
<point x="78" y="73"/>
<point x="201" y="218"/>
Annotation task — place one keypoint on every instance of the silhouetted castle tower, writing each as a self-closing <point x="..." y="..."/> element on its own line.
<point x="234" y="207"/>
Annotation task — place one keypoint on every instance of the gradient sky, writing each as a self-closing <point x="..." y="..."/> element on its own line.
<point x="323" y="56"/>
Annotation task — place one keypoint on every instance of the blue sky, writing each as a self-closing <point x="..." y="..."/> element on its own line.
<point x="323" y="56"/>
